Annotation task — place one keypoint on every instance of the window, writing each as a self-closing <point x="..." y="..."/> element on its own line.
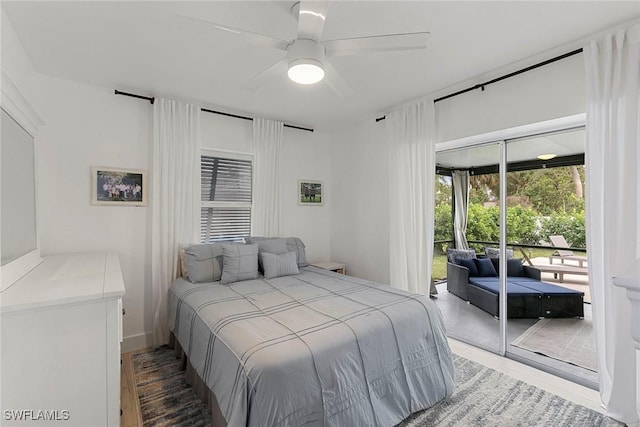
<point x="226" y="198"/>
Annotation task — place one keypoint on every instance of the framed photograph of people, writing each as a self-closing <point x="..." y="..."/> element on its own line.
<point x="118" y="187"/>
<point x="310" y="193"/>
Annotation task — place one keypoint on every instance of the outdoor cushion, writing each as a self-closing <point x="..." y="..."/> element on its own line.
<point x="469" y="264"/>
<point x="453" y="254"/>
<point x="514" y="267"/>
<point x="493" y="285"/>
<point x="495" y="252"/>
<point x="485" y="267"/>
<point x="544" y="287"/>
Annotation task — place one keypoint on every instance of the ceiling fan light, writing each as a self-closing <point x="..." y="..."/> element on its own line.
<point x="547" y="156"/>
<point x="306" y="71"/>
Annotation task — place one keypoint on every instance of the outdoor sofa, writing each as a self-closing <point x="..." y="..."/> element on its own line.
<point x="527" y="295"/>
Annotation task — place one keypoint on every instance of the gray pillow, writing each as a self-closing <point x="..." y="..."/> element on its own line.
<point x="272" y="246"/>
<point x="203" y="262"/>
<point x="279" y="265"/>
<point x="240" y="262"/>
<point x="495" y="253"/>
<point x="294" y="244"/>
<point x="453" y="254"/>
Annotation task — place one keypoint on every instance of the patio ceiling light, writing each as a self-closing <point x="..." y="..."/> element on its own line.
<point x="547" y="156"/>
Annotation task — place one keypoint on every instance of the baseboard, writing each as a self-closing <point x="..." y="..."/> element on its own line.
<point x="137" y="342"/>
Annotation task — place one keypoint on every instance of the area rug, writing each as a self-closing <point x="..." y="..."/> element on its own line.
<point x="165" y="397"/>
<point x="483" y="397"/>
<point x="568" y="340"/>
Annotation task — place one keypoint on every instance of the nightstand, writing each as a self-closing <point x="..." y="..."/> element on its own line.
<point x="330" y="265"/>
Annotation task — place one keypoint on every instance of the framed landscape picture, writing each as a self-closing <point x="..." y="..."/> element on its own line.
<point x="310" y="193"/>
<point x="118" y="187"/>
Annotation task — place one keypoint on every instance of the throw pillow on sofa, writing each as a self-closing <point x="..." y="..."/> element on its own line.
<point x="469" y="264"/>
<point x="453" y="254"/>
<point x="514" y="267"/>
<point x="485" y="267"/>
<point x="495" y="252"/>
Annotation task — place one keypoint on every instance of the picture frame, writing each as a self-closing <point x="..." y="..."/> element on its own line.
<point x="310" y="193"/>
<point x="118" y="187"/>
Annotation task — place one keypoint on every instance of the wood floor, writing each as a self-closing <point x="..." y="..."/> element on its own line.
<point x="128" y="396"/>
<point x="584" y="396"/>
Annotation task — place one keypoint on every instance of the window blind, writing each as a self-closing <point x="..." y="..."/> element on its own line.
<point x="226" y="199"/>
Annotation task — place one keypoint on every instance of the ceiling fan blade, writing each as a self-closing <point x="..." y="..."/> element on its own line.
<point x="374" y="44"/>
<point x="336" y="82"/>
<point x="311" y="17"/>
<point x="206" y="27"/>
<point x="267" y="75"/>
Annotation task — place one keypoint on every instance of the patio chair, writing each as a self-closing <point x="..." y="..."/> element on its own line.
<point x="564" y="254"/>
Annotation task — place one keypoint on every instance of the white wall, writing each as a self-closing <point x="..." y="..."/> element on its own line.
<point x="15" y="61"/>
<point x="360" y="218"/>
<point x="305" y="155"/>
<point x="88" y="125"/>
<point x="552" y="91"/>
<point x="360" y="200"/>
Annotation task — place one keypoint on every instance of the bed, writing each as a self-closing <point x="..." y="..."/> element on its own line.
<point x="313" y="348"/>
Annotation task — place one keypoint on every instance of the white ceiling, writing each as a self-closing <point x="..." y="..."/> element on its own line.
<point x="138" y="47"/>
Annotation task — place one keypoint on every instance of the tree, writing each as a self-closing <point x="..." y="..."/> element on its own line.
<point x="540" y="203"/>
<point x="577" y="181"/>
<point x="545" y="190"/>
<point x="443" y="189"/>
<point x="484" y="188"/>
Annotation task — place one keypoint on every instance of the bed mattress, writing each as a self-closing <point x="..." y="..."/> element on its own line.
<point x="317" y="348"/>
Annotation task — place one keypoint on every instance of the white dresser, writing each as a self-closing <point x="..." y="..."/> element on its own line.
<point x="60" y="344"/>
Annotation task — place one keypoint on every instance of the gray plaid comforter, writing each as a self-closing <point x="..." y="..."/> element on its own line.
<point x="316" y="348"/>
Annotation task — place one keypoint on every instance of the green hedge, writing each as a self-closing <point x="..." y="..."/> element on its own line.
<point x="524" y="225"/>
<point x="571" y="226"/>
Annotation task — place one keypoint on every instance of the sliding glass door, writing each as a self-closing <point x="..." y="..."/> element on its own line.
<point x="518" y="203"/>
<point x="546" y="235"/>
<point x="467" y="220"/>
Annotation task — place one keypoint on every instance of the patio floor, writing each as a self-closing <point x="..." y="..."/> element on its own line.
<point x="472" y="325"/>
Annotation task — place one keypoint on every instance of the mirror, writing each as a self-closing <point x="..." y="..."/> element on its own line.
<point x="18" y="191"/>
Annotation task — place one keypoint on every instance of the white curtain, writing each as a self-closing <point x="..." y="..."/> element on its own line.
<point x="175" y="198"/>
<point x="461" y="206"/>
<point x="411" y="197"/>
<point x="265" y="211"/>
<point x="613" y="202"/>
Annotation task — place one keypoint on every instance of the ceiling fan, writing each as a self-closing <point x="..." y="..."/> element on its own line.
<point x="306" y="60"/>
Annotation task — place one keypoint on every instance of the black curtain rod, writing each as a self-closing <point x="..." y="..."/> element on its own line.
<point x="152" y="100"/>
<point x="481" y="86"/>
<point x="133" y="95"/>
